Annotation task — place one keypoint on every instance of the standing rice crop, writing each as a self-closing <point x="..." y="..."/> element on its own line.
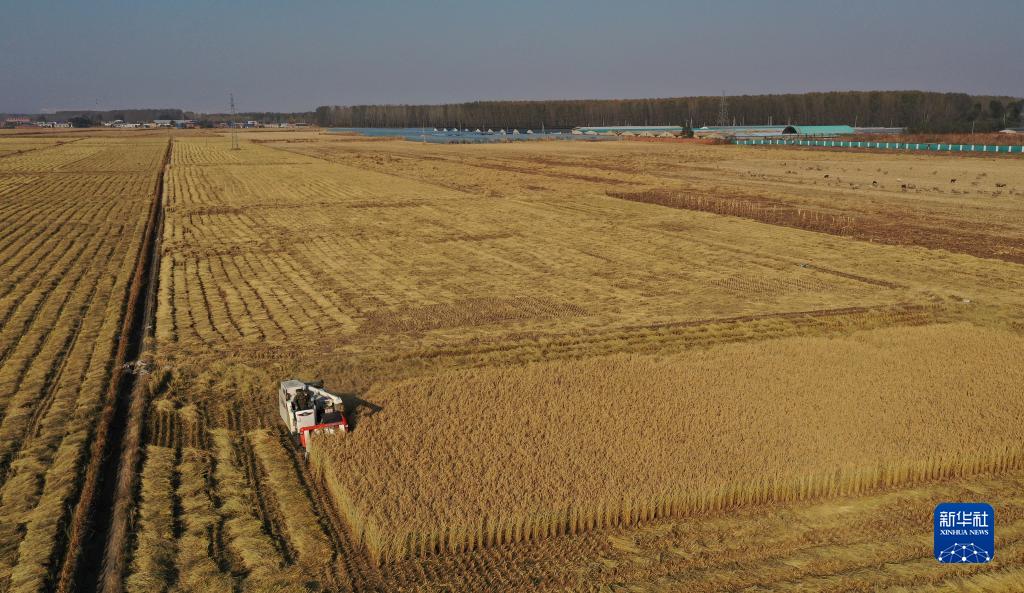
<point x="489" y="456"/>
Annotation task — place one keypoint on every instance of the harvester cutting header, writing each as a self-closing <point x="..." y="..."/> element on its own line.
<point x="308" y="409"/>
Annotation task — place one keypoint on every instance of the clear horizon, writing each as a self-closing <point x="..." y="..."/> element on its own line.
<point x="115" y="54"/>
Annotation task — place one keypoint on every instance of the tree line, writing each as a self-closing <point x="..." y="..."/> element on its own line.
<point x="917" y="110"/>
<point x="267" y="117"/>
<point x="132" y="115"/>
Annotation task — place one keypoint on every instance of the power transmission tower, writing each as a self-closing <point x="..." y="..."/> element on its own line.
<point x="234" y="125"/>
<point x="723" y="112"/>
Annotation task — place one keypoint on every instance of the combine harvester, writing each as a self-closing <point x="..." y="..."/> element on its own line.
<point x="308" y="409"/>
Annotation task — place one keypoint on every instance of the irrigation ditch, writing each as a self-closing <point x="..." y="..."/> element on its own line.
<point x="94" y="551"/>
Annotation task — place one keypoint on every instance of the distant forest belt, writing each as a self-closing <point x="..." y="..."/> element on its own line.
<point x="891" y="228"/>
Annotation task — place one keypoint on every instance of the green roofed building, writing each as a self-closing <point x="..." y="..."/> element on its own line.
<point x="819" y="130"/>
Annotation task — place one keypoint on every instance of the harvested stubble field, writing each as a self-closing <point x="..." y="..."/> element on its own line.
<point x="506" y="319"/>
<point x="72" y="216"/>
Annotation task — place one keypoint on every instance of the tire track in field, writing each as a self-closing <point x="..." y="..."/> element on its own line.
<point x="891" y="227"/>
<point x="122" y="474"/>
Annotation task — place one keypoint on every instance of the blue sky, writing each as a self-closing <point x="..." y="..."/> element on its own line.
<point x="291" y="56"/>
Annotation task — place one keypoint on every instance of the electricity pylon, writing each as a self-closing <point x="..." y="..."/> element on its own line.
<point x="234" y="125"/>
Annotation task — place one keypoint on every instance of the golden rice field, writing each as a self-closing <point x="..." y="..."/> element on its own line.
<point x="72" y="216"/>
<point x="558" y="448"/>
<point x="620" y="366"/>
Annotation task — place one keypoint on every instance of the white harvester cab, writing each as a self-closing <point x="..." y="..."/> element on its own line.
<point x="308" y="409"/>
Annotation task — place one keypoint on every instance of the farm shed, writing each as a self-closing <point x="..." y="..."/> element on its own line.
<point x="616" y="130"/>
<point x="738" y="131"/>
<point x="772" y="131"/>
